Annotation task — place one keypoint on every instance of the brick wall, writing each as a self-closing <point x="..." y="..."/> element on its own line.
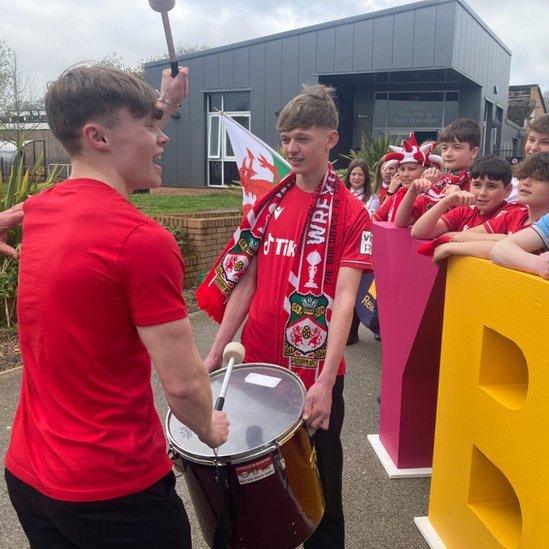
<point x="207" y="234"/>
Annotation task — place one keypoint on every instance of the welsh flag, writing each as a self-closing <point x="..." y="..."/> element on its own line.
<point x="259" y="166"/>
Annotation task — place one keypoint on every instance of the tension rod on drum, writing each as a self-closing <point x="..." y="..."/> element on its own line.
<point x="233" y="353"/>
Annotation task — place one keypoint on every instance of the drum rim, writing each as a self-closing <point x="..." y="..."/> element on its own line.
<point x="249" y="455"/>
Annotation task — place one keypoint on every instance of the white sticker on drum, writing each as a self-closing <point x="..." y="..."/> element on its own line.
<point x="253" y="472"/>
<point x="260" y="379"/>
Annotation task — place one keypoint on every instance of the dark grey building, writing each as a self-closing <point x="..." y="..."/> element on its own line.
<point x="417" y="67"/>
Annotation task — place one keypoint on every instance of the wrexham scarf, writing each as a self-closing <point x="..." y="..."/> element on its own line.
<point x="312" y="279"/>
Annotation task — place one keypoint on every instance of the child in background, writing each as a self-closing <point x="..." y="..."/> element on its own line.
<point x="537" y="140"/>
<point x="517" y="251"/>
<point x="459" y="143"/>
<point x="490" y="186"/>
<point x="382" y="180"/>
<point x="533" y="176"/>
<point x="412" y="160"/>
<point x="357" y="180"/>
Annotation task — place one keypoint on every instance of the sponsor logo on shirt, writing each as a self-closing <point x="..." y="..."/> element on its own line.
<point x="278" y="211"/>
<point x="366" y="242"/>
<point x="278" y="246"/>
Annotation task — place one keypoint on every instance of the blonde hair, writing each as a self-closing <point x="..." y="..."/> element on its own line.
<point x="314" y="106"/>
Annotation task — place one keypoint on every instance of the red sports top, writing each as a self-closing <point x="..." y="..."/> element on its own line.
<point x="424" y="202"/>
<point x="388" y="210"/>
<point x="92" y="268"/>
<point x="509" y="220"/>
<point x="466" y="217"/>
<point x="266" y="317"/>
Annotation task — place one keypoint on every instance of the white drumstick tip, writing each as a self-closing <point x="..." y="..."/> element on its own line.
<point x="234" y="350"/>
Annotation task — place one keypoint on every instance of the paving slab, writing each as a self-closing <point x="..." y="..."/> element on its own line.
<point x="379" y="511"/>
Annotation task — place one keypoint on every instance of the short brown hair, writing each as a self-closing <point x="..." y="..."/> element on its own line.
<point x="535" y="165"/>
<point x="314" y="106"/>
<point x="462" y="130"/>
<point x="86" y="93"/>
<point x="540" y="125"/>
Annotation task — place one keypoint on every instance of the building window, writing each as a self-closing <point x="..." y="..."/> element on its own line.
<point x="397" y="113"/>
<point x="222" y="167"/>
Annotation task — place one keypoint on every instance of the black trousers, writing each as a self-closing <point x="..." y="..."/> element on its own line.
<point x="330" y="533"/>
<point x="154" y="517"/>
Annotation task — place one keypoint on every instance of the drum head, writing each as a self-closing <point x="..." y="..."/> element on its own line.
<point x="263" y="403"/>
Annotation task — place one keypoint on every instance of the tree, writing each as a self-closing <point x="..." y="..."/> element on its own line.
<point x="116" y="61"/>
<point x="19" y="109"/>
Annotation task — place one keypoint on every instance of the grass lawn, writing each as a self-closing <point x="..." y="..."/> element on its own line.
<point x="152" y="204"/>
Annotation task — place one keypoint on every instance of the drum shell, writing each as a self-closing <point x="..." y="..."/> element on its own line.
<point x="277" y="511"/>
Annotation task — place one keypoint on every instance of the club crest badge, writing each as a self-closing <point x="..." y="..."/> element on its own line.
<point x="235" y="262"/>
<point x="306" y="332"/>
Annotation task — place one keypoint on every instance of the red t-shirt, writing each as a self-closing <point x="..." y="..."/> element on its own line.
<point x="424" y="202"/>
<point x="509" y="220"/>
<point x="388" y="210"/>
<point x="275" y="257"/>
<point x="92" y="268"/>
<point x="466" y="217"/>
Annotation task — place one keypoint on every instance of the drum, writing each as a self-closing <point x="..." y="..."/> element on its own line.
<point x="264" y="481"/>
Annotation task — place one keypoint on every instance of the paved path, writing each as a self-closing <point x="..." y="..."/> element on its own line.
<point x="379" y="511"/>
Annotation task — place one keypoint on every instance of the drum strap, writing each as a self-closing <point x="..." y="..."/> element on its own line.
<point x="220" y="534"/>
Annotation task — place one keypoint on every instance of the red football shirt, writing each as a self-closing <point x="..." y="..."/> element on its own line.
<point x="266" y="317"/>
<point x="435" y="193"/>
<point x="388" y="210"/>
<point x="92" y="268"/>
<point x="466" y="217"/>
<point x="509" y="220"/>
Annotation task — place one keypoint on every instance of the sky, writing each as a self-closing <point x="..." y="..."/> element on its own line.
<point x="50" y="35"/>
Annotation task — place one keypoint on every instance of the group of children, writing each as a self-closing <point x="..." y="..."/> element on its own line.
<point x="464" y="205"/>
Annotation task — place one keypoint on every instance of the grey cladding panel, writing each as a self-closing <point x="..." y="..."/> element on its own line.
<point x="444" y="41"/>
<point x="403" y="39"/>
<point x="242" y="68"/>
<point x="307" y="58"/>
<point x="344" y="48"/>
<point x="211" y="72"/>
<point x="273" y="98"/>
<point x="424" y="37"/>
<point x="290" y="74"/>
<point x="382" y="58"/>
<point x="197" y="125"/>
<point x="257" y="83"/>
<point x="363" y="45"/>
<point x="325" y="50"/>
<point x="226" y="69"/>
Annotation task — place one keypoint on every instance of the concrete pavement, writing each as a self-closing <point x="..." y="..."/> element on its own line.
<point x="379" y="511"/>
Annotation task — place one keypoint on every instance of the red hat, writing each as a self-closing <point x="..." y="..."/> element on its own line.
<point x="412" y="152"/>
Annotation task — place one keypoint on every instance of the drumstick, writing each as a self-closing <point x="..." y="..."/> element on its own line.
<point x="234" y="353"/>
<point x="163" y="7"/>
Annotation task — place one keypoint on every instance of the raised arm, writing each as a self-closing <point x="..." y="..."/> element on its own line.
<point x="430" y="224"/>
<point x="173" y="91"/>
<point x="235" y="313"/>
<point x="404" y="213"/>
<point x="184" y="379"/>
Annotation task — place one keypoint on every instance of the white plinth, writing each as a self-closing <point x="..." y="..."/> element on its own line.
<point x="429" y="533"/>
<point x="389" y="465"/>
